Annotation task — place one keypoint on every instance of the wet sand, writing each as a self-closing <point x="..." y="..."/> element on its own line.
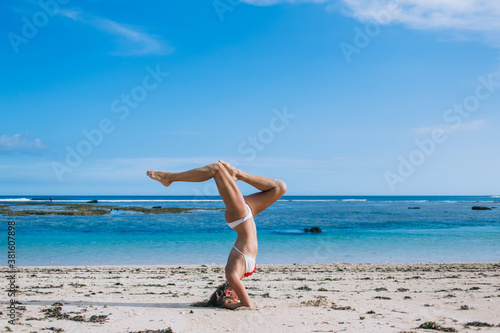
<point x="289" y="298"/>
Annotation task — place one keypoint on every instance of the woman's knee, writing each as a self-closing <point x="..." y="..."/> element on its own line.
<point x="281" y="186"/>
<point x="215" y="167"/>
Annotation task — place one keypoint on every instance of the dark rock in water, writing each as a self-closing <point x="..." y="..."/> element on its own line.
<point x="313" y="229"/>
<point x="92" y="201"/>
<point x="156" y="207"/>
<point x="413" y="207"/>
<point x="480" y="208"/>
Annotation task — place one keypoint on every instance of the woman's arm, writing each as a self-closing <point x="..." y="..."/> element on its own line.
<point x="239" y="289"/>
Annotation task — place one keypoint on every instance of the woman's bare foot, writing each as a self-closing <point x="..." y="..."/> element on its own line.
<point x="233" y="172"/>
<point x="160" y="176"/>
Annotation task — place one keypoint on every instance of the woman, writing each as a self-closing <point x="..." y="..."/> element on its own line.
<point x="239" y="216"/>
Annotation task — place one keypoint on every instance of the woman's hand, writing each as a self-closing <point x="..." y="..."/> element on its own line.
<point x="233" y="306"/>
<point x="233" y="172"/>
<point x="238" y="287"/>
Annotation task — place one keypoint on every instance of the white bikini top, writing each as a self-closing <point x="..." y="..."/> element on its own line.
<point x="240" y="221"/>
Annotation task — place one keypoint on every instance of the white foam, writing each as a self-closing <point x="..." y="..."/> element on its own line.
<point x="142" y="200"/>
<point x="324" y="200"/>
<point x="16" y="199"/>
<point x="179" y="200"/>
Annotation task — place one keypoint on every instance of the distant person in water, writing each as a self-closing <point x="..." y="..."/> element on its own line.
<point x="239" y="216"/>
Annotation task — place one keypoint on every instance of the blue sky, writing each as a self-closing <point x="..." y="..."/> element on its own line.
<point x="334" y="97"/>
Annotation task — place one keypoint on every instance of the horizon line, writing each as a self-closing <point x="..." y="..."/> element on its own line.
<point x="290" y="195"/>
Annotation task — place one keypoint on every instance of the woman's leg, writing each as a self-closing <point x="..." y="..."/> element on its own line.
<point x="201" y="174"/>
<point x="272" y="189"/>
<point x="228" y="190"/>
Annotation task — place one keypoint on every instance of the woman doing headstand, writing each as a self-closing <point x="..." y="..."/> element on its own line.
<point x="239" y="216"/>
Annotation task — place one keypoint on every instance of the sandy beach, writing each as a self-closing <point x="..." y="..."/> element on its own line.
<point x="461" y="297"/>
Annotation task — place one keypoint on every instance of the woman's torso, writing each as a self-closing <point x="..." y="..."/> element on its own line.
<point x="246" y="241"/>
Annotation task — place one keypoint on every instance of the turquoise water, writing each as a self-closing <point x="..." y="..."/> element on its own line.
<point x="355" y="229"/>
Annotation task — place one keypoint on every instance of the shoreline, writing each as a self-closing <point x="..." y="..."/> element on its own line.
<point x="292" y="298"/>
<point x="451" y="263"/>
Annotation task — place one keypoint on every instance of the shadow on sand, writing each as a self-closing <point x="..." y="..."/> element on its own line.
<point x="109" y="304"/>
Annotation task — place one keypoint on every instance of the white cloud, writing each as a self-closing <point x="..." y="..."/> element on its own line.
<point x="448" y="128"/>
<point x="133" y="41"/>
<point x="19" y="143"/>
<point x="462" y="19"/>
<point x="471" y="15"/>
<point x="274" y="2"/>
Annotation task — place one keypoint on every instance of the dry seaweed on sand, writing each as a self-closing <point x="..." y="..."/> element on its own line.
<point x="319" y="302"/>
<point x="56" y="312"/>
<point x="431" y="325"/>
<point x="382" y="297"/>
<point x="337" y="307"/>
<point x="98" y="319"/>
<point x="306" y="288"/>
<point x="478" y="324"/>
<point x="168" y="330"/>
<point x="322" y="301"/>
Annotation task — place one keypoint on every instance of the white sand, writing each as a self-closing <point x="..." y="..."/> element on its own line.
<point x="291" y="298"/>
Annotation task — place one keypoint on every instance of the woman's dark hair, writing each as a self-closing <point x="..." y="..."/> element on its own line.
<point x="218" y="298"/>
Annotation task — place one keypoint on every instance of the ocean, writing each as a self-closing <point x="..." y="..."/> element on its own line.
<point x="355" y="229"/>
